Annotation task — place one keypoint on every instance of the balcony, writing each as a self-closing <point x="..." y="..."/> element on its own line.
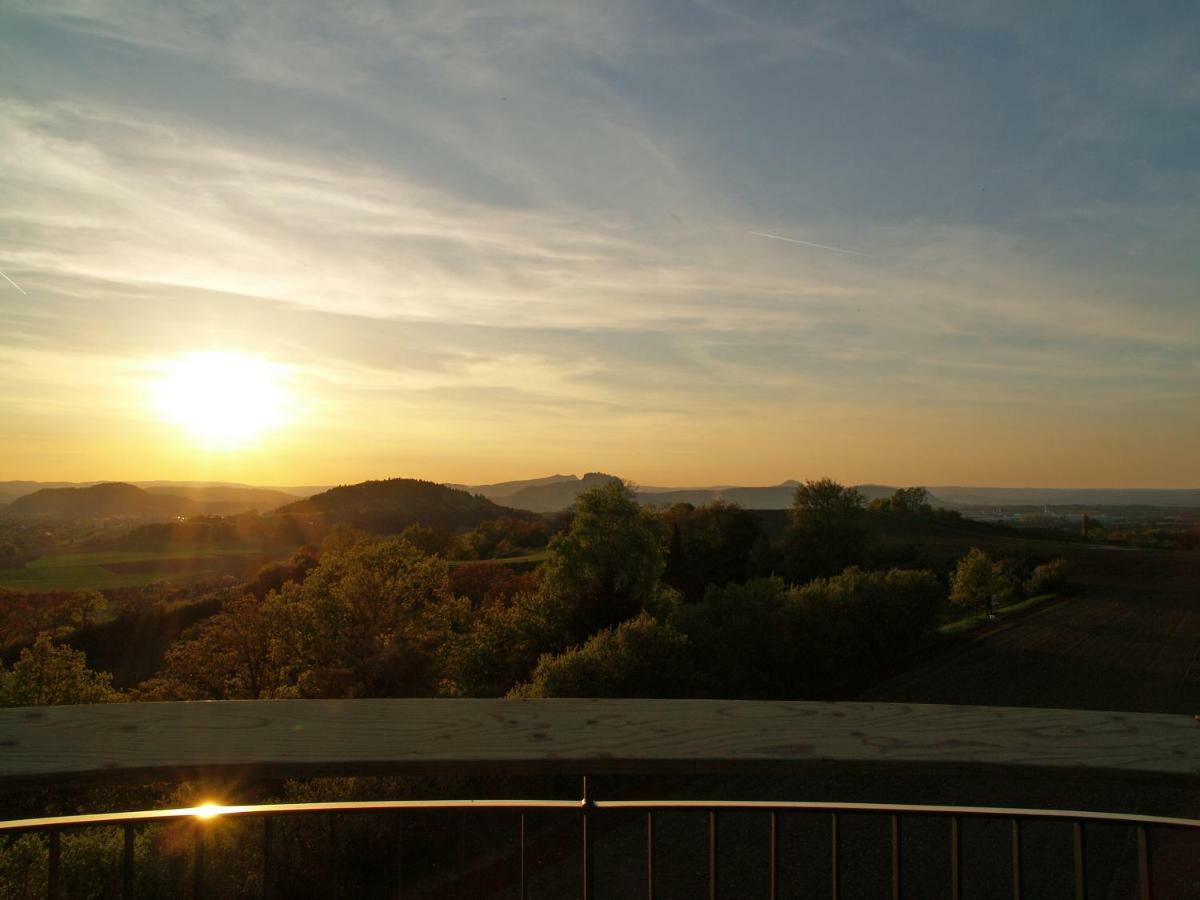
<point x="630" y="797"/>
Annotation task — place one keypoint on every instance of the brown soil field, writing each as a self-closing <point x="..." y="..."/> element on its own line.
<point x="1127" y="638"/>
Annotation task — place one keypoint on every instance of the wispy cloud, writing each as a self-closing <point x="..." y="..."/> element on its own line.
<point x="13" y="283"/>
<point x="437" y="205"/>
<point x="780" y="237"/>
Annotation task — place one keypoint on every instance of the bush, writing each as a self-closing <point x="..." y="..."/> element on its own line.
<point x="638" y="658"/>
<point x="1047" y="578"/>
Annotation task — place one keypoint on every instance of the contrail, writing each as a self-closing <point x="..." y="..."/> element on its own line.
<point x="780" y="237"/>
<point x="14" y="284"/>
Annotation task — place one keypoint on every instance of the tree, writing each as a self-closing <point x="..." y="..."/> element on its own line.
<point x="367" y="621"/>
<point x="1048" y="577"/>
<point x="229" y="657"/>
<point x="485" y="583"/>
<point x="504" y="643"/>
<point x="827" y="532"/>
<point x="711" y="544"/>
<point x="49" y="674"/>
<point x="610" y="562"/>
<point x="638" y="658"/>
<point x="977" y="581"/>
<point x="912" y="501"/>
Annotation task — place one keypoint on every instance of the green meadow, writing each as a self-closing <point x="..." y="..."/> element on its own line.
<point x="68" y="571"/>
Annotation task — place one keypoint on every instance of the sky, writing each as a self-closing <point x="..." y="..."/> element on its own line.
<point x="474" y="242"/>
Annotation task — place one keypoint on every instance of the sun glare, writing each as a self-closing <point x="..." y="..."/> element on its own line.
<point x="223" y="400"/>
<point x="208" y="810"/>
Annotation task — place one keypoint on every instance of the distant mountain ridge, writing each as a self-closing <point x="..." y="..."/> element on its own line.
<point x="121" y="499"/>
<point x="100" y="500"/>
<point x="559" y="492"/>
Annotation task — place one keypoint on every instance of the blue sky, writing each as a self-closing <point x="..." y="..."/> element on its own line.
<point x="498" y="240"/>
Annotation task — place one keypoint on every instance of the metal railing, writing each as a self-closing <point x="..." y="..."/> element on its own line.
<point x="586" y="808"/>
<point x="1029" y="764"/>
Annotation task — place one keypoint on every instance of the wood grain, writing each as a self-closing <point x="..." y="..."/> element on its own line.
<point x="273" y="738"/>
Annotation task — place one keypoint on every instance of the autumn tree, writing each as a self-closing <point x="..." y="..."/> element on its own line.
<point x="50" y="674"/>
<point x="977" y="581"/>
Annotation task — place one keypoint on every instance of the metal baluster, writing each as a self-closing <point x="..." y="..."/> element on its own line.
<point x="521" y="850"/>
<point x="198" y="861"/>
<point x="1147" y="883"/>
<point x="712" y="854"/>
<point x="54" y="873"/>
<point x="955" y="861"/>
<point x="1016" y="859"/>
<point x="586" y="837"/>
<point x="834" y="856"/>
<point x="896" y="885"/>
<point x="127" y="863"/>
<point x="650" y="856"/>
<point x="774" y="855"/>
<point x="398" y="836"/>
<point x="268" y="861"/>
<point x="1080" y="862"/>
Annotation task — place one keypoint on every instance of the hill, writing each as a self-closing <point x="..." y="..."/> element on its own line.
<point x="111" y="499"/>
<point x="224" y="499"/>
<point x="11" y="490"/>
<point x="502" y="490"/>
<point x="394" y="504"/>
<point x="555" y="495"/>
<point x="557" y="492"/>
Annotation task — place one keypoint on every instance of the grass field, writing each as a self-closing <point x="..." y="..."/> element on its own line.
<point x="71" y="571"/>
<point x="529" y="559"/>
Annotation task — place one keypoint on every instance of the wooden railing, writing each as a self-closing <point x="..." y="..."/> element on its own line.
<point x="950" y="762"/>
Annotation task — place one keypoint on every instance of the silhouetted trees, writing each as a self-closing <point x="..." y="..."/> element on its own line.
<point x="609" y="564"/>
<point x="711" y="544"/>
<point x="827" y="531"/>
<point x="639" y="658"/>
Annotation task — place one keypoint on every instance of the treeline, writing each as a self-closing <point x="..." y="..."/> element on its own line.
<point x="629" y="602"/>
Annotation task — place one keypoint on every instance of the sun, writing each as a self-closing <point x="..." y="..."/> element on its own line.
<point x="223" y="400"/>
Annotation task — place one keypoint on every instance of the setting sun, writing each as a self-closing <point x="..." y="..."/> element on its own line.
<point x="223" y="400"/>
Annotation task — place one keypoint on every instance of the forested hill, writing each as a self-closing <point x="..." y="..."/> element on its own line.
<point x="394" y="504"/>
<point x="101" y="500"/>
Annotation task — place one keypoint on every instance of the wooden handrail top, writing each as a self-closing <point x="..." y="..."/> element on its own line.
<point x="277" y="738"/>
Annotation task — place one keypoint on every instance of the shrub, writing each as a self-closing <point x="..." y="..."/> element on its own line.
<point x="1047" y="578"/>
<point x="638" y="658"/>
